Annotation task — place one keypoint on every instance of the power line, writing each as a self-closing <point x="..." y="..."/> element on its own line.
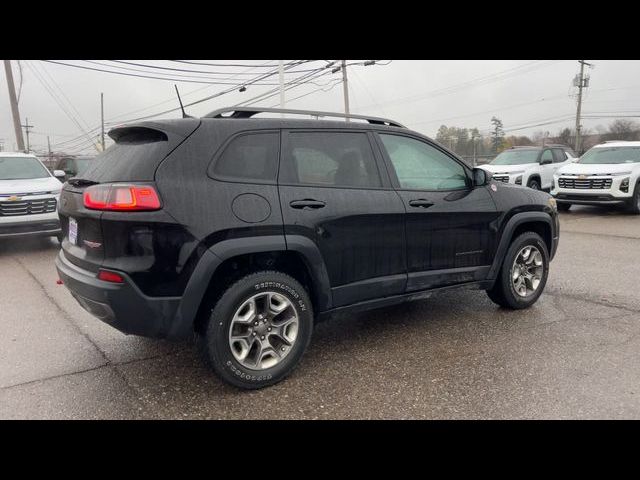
<point x="172" y="79"/>
<point x="288" y="86"/>
<point x="250" y="82"/>
<point x="65" y="96"/>
<point x="220" y="64"/>
<point x="273" y="72"/>
<point x="193" y="71"/>
<point x="497" y="76"/>
<point x="44" y="83"/>
<point x="172" y="99"/>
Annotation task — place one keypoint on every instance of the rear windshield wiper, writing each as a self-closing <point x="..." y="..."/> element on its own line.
<point x="81" y="182"/>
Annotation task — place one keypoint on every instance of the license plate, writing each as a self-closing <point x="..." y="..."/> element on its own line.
<point x="73" y="231"/>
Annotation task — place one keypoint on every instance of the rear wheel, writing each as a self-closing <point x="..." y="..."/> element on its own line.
<point x="259" y="330"/>
<point x="534" y="183"/>
<point x="564" y="207"/>
<point x="523" y="274"/>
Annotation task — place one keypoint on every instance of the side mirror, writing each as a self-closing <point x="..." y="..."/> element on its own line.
<point x="545" y="161"/>
<point x="59" y="173"/>
<point x="481" y="177"/>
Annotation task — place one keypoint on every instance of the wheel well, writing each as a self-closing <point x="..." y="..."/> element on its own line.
<point x="541" y="228"/>
<point x="234" y="268"/>
<point x="534" y="176"/>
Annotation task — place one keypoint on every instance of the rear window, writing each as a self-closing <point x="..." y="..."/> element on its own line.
<point x="250" y="156"/>
<point x="135" y="156"/>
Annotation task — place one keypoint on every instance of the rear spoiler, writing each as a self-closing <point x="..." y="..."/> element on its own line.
<point x="166" y="130"/>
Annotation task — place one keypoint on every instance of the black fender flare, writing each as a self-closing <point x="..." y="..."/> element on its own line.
<point x="182" y="325"/>
<point x="507" y="236"/>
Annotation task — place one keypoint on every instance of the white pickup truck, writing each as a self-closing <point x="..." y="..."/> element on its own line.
<point x="531" y="166"/>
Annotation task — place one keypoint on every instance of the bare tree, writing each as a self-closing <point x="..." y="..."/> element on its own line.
<point x="623" y="129"/>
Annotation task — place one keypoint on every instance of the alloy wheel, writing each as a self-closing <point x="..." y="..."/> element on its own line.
<point x="263" y="330"/>
<point x="527" y="271"/>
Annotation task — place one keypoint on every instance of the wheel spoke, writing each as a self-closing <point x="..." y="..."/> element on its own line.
<point x="277" y="303"/>
<point x="246" y="312"/>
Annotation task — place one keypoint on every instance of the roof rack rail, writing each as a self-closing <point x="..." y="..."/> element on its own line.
<point x="247" y="112"/>
<point x="615" y="141"/>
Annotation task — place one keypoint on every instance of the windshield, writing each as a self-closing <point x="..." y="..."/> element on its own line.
<point x="611" y="155"/>
<point x="516" y="157"/>
<point x="83" y="164"/>
<point x="20" y="168"/>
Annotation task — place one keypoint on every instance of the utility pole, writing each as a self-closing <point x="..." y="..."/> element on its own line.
<point x="475" y="157"/>
<point x="14" y="104"/>
<point x="281" y="75"/>
<point x="581" y="82"/>
<point x="102" y="120"/>
<point x="345" y="88"/>
<point x="49" y="150"/>
<point x="26" y="129"/>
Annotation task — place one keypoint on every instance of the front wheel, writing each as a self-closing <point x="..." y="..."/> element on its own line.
<point x="523" y="274"/>
<point x="259" y="329"/>
<point x="634" y="204"/>
<point x="534" y="184"/>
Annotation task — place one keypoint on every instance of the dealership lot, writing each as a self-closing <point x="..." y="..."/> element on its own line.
<point x="574" y="354"/>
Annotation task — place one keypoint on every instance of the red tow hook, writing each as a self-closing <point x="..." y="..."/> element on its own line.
<point x="59" y="282"/>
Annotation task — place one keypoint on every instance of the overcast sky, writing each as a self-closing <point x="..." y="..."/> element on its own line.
<point x="420" y="94"/>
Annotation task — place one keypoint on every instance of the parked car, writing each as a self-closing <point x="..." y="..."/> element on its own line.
<point x="248" y="230"/>
<point x="531" y="166"/>
<point x="29" y="196"/>
<point x="607" y="174"/>
<point x="73" y="166"/>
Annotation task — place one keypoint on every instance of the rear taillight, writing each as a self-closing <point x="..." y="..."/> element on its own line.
<point x="121" y="197"/>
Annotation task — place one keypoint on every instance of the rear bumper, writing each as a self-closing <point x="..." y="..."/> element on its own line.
<point x="121" y="305"/>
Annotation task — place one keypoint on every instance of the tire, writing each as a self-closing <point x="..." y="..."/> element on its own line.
<point x="504" y="292"/>
<point x="230" y="315"/>
<point x="534" y="184"/>
<point x="564" y="207"/>
<point x="634" y="204"/>
<point x="60" y="236"/>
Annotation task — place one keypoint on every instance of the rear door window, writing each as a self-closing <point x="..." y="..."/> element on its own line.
<point x="559" y="155"/>
<point x="547" y="155"/>
<point x="249" y="156"/>
<point x="338" y="159"/>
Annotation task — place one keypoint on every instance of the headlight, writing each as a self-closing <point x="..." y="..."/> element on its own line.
<point x="519" y="180"/>
<point x="552" y="203"/>
<point x="624" y="185"/>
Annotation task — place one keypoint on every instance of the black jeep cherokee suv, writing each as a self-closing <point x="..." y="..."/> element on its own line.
<point x="249" y="230"/>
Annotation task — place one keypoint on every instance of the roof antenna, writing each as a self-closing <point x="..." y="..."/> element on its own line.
<point x="184" y="115"/>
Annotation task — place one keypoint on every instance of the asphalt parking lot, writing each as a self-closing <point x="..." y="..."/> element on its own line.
<point x="575" y="354"/>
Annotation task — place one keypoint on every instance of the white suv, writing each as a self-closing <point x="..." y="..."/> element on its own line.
<point x="607" y="174"/>
<point x="530" y="166"/>
<point x="29" y="196"/>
